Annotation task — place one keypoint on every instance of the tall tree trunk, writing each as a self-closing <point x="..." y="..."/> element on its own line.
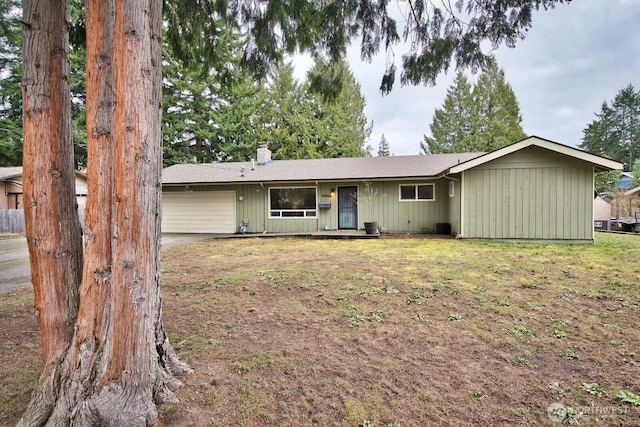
<point x="116" y="364"/>
<point x="51" y="220"/>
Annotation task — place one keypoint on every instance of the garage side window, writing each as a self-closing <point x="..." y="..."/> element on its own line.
<point x="293" y="202"/>
<point x="417" y="192"/>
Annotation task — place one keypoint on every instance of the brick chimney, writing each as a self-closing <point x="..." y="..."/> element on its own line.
<point x="264" y="154"/>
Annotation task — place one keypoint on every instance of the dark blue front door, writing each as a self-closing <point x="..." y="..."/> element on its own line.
<point x="348" y="208"/>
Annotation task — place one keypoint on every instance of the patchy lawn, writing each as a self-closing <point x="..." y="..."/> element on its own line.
<point x="395" y="331"/>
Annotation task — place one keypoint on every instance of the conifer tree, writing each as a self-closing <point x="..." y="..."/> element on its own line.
<point x="451" y="124"/>
<point x="615" y="132"/>
<point x="479" y="118"/>
<point x="301" y="123"/>
<point x="383" y="147"/>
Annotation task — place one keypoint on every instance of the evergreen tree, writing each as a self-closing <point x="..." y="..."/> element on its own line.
<point x="605" y="182"/>
<point x="635" y="182"/>
<point x="615" y="132"/>
<point x="451" y="124"/>
<point x="302" y="124"/>
<point x="189" y="99"/>
<point x="10" y="91"/>
<point x="383" y="147"/>
<point x="210" y="115"/>
<point x="239" y="118"/>
<point x="284" y="119"/>
<point x="341" y="127"/>
<point x="482" y="118"/>
<point x="496" y="116"/>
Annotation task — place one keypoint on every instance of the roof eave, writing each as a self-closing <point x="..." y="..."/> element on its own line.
<point x="305" y="180"/>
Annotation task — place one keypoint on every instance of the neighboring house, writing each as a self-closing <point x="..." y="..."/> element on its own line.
<point x="534" y="189"/>
<point x="601" y="209"/>
<point x="624" y="183"/>
<point x="634" y="192"/>
<point x="601" y="213"/>
<point x="11" y="187"/>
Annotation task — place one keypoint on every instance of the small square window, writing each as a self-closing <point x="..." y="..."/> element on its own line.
<point x="425" y="192"/>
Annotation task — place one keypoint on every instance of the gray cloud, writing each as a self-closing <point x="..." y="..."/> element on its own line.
<point x="574" y="57"/>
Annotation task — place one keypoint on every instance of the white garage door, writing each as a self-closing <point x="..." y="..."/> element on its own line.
<point x="199" y="212"/>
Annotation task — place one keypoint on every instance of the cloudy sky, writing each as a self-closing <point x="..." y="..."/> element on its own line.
<point x="574" y="57"/>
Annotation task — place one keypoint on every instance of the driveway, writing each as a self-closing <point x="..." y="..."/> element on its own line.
<point x="15" y="271"/>
<point x="14" y="264"/>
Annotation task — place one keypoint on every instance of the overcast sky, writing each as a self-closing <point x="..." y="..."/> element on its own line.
<point x="574" y="57"/>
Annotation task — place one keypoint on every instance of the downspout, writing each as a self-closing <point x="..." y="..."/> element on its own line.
<point x="445" y="175"/>
<point x="266" y="210"/>
<point x="462" y="205"/>
<point x="593" y="187"/>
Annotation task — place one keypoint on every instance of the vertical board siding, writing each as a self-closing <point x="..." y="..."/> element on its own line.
<point x="408" y="217"/>
<point x="454" y="206"/>
<point x="388" y="211"/>
<point x="528" y="203"/>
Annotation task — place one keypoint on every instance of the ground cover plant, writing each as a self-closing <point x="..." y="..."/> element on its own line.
<point x="388" y="332"/>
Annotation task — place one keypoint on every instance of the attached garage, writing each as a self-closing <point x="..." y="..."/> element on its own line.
<point x="199" y="212"/>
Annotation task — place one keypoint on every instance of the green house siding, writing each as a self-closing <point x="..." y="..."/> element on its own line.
<point x="516" y="197"/>
<point x="454" y="204"/>
<point x="252" y="206"/>
<point x="407" y="216"/>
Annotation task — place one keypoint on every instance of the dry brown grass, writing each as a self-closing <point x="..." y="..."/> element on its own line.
<point x="392" y="331"/>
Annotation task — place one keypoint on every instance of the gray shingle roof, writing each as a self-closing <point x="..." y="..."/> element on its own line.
<point x="10" y="172"/>
<point x="419" y="166"/>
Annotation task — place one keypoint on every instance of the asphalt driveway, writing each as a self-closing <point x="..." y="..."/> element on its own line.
<point x="14" y="258"/>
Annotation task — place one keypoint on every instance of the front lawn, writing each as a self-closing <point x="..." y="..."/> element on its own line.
<point x="394" y="331"/>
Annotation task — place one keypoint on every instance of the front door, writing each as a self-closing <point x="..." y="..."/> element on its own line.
<point x="348" y="208"/>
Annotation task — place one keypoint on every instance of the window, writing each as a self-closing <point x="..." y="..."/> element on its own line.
<point x="295" y="202"/>
<point x="417" y="192"/>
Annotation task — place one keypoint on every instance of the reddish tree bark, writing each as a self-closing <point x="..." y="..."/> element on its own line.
<point x="51" y="220"/>
<point x="107" y="358"/>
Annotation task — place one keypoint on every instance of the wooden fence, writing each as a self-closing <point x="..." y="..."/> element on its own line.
<point x="11" y="221"/>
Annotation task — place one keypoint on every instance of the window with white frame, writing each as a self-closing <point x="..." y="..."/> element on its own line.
<point x="417" y="192"/>
<point x="293" y="202"/>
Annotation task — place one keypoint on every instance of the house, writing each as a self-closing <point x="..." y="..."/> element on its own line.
<point x="624" y="183"/>
<point x="534" y="189"/>
<point x="11" y="187"/>
<point x="601" y="213"/>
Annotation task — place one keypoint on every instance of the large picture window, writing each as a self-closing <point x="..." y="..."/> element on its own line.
<point x="417" y="192"/>
<point x="294" y="202"/>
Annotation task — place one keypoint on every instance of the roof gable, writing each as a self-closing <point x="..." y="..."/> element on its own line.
<point x="600" y="163"/>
